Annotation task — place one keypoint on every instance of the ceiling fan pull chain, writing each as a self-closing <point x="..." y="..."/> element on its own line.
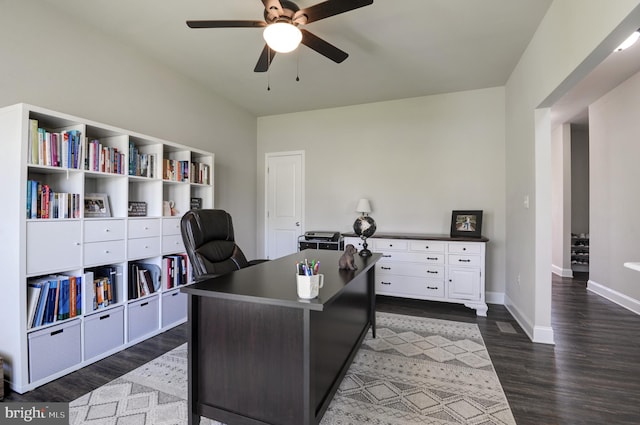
<point x="268" y="69"/>
<point x="298" y="65"/>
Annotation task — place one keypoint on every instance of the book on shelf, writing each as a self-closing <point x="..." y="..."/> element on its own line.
<point x="140" y="163"/>
<point x="55" y="148"/>
<point x="143" y="279"/>
<point x="103" y="158"/>
<point x="175" y="170"/>
<point x="199" y="173"/>
<point x="54" y="295"/>
<point x="176" y="270"/>
<point x="105" y="283"/>
<point x="43" y="202"/>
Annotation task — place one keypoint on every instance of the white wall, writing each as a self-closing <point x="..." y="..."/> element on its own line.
<point x="561" y="197"/>
<point x="50" y="61"/>
<point x="416" y="160"/>
<point x="614" y="196"/>
<point x="572" y="39"/>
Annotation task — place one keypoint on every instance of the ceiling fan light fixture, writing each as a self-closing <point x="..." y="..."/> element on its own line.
<point x="282" y="37"/>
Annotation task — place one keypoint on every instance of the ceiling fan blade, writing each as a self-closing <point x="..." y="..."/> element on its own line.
<point x="330" y="8"/>
<point x="226" y="24"/>
<point x="326" y="49"/>
<point x="273" y="9"/>
<point x="266" y="57"/>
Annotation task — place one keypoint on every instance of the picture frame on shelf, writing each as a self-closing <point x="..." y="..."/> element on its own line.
<point x="196" y="203"/>
<point x="96" y="205"/>
<point x="137" y="209"/>
<point x="467" y="223"/>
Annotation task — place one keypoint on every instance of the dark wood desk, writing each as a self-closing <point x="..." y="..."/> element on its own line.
<point x="259" y="355"/>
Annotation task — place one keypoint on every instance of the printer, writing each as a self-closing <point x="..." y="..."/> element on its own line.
<point x="318" y="239"/>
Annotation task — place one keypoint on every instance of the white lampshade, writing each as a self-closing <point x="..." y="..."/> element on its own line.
<point x="282" y="37"/>
<point x="363" y="206"/>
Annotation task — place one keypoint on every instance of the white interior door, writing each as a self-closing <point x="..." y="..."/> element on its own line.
<point x="284" y="202"/>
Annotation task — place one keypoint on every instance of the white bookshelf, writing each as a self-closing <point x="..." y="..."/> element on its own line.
<point x="74" y="245"/>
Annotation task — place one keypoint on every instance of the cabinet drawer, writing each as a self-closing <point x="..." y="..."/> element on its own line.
<point x="103" y="331"/>
<point x="53" y="246"/>
<point x="464" y="260"/>
<point x="143" y="248"/>
<point x="103" y="252"/>
<point x="174" y="307"/>
<point x="54" y="349"/>
<point x="143" y="228"/>
<point x="103" y="230"/>
<point x="143" y="317"/>
<point x="414" y="257"/>
<point x="171" y="244"/>
<point x="464" y="248"/>
<point x="382" y="245"/>
<point x="426" y="246"/>
<point x="411" y="269"/>
<point x="409" y="286"/>
<point x="171" y="226"/>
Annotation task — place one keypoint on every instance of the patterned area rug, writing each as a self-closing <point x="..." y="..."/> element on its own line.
<point x="416" y="371"/>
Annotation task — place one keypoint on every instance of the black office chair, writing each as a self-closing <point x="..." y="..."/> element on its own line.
<point x="208" y="238"/>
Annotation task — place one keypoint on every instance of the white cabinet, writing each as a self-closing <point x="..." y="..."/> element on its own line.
<point x="435" y="268"/>
<point x="84" y="203"/>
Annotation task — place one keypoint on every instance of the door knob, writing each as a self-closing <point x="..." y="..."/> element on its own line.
<point x="298" y="223"/>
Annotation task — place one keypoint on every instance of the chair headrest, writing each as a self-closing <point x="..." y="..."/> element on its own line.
<point x="209" y="225"/>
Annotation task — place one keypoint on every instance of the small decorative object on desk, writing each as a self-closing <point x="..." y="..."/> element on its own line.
<point x="137" y="209"/>
<point x="466" y="224"/>
<point x="96" y="205"/>
<point x="346" y="261"/>
<point x="364" y="226"/>
<point x="196" y="203"/>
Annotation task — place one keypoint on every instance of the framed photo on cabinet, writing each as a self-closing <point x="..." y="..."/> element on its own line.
<point x="466" y="224"/>
<point x="96" y="205"/>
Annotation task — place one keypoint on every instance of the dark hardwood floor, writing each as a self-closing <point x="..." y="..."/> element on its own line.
<point x="591" y="375"/>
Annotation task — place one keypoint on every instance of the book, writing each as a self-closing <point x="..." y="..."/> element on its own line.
<point x="63" y="299"/>
<point x="33" y="296"/>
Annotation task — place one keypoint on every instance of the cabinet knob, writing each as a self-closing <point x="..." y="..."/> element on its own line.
<point x="464" y="249"/>
<point x="106" y="251"/>
<point x="77" y="243"/>
<point x="385" y="268"/>
<point x="146" y="228"/>
<point x="146" y="247"/>
<point x="107" y="230"/>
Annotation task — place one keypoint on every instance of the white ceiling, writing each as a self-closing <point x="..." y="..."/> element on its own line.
<point x="397" y="48"/>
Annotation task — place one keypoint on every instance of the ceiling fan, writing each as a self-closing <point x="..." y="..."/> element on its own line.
<point x="286" y="16"/>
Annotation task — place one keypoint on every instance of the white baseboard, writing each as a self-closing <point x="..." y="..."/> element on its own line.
<point x="559" y="271"/>
<point x="538" y="334"/>
<point x="494" y="298"/>
<point x="612" y="295"/>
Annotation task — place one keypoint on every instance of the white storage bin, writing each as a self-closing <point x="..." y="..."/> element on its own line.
<point x="103" y="331"/>
<point x="54" y="349"/>
<point x="174" y="307"/>
<point x="143" y="317"/>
